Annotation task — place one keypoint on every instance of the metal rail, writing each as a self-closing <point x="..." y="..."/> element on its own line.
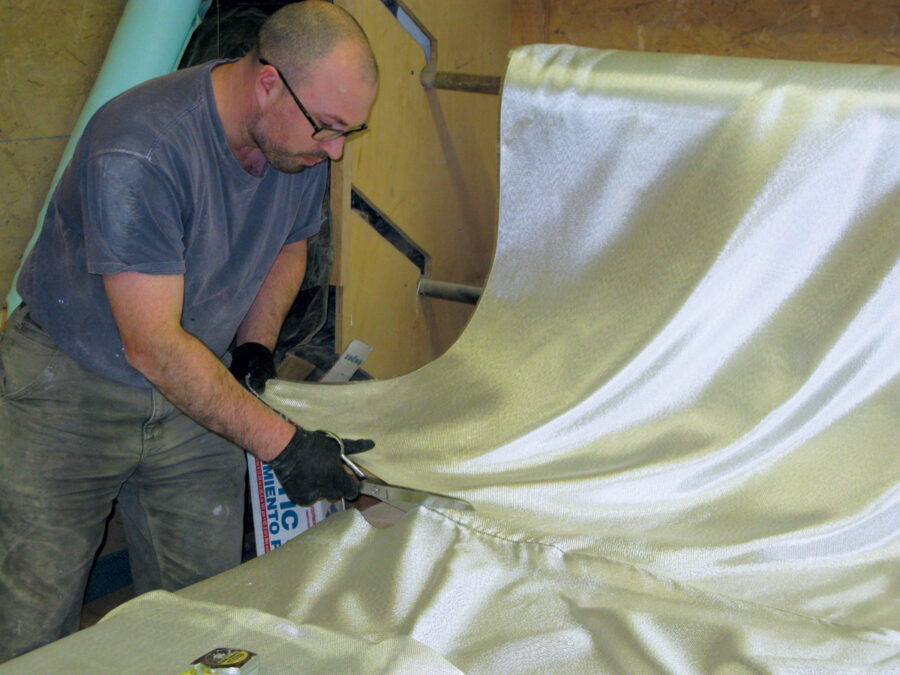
<point x="445" y="290"/>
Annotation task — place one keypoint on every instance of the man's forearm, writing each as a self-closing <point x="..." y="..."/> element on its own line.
<point x="265" y="317"/>
<point x="147" y="310"/>
<point x="195" y="381"/>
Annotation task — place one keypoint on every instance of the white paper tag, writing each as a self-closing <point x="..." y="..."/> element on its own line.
<point x="348" y="363"/>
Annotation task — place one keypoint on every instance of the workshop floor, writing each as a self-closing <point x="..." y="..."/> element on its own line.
<point x="92" y="612"/>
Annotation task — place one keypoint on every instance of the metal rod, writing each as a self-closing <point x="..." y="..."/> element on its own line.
<point x="479" y="84"/>
<point x="445" y="290"/>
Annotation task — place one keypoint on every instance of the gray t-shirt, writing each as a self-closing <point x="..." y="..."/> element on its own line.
<point x="153" y="187"/>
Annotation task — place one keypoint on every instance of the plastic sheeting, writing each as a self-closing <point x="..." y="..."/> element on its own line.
<point x="675" y="408"/>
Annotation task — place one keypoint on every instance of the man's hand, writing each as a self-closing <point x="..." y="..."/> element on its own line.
<point x="310" y="467"/>
<point x="253" y="364"/>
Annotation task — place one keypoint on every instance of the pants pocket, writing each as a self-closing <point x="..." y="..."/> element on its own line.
<point x="27" y="357"/>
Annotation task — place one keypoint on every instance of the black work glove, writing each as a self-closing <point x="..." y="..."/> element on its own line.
<point x="310" y="467"/>
<point x="253" y="362"/>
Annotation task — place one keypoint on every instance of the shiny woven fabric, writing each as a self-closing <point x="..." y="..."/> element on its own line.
<point x="676" y="408"/>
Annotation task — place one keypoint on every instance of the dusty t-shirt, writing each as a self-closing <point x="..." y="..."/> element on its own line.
<point x="153" y="187"/>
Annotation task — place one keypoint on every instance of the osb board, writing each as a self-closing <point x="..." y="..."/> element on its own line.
<point x="53" y="50"/>
<point x="846" y="31"/>
<point x="430" y="164"/>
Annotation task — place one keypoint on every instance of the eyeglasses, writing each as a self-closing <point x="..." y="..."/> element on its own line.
<point x="319" y="133"/>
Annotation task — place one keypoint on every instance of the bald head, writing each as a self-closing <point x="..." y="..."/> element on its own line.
<point x="299" y="35"/>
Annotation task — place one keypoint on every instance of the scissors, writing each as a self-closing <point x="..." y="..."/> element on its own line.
<point x="402" y="498"/>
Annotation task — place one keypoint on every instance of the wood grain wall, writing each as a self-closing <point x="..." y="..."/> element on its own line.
<point x="52" y="52"/>
<point x="846" y="31"/>
<point x="430" y="165"/>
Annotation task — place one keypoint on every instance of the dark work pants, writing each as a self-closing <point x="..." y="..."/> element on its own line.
<point x="71" y="442"/>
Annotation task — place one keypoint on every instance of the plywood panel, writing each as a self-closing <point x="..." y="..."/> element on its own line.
<point x="429" y="163"/>
<point x="398" y="326"/>
<point x="847" y="31"/>
<point x="529" y="21"/>
<point x="53" y="50"/>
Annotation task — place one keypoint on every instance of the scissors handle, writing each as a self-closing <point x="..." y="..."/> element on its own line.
<point x="340" y="441"/>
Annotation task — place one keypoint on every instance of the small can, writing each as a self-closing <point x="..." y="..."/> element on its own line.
<point x="225" y="661"/>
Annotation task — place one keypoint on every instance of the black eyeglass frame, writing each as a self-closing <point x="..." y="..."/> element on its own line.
<point x="320" y="133"/>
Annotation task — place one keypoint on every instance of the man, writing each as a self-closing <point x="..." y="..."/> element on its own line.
<point x="178" y="227"/>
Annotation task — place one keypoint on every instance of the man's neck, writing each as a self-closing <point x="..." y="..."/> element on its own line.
<point x="231" y="90"/>
<point x="251" y="160"/>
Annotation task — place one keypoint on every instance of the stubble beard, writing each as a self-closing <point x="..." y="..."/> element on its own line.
<point x="278" y="159"/>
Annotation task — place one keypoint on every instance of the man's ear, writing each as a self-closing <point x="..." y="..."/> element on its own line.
<point x="267" y="83"/>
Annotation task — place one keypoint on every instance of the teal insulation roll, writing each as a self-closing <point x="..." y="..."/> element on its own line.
<point x="149" y="41"/>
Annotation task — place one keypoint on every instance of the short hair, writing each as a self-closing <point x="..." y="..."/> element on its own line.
<point x="296" y="36"/>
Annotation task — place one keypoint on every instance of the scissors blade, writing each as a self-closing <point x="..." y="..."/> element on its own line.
<point x="407" y="498"/>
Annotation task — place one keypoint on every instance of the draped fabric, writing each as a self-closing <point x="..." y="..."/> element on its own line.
<point x="676" y="409"/>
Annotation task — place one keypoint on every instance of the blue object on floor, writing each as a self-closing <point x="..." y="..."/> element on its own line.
<point x="111" y="572"/>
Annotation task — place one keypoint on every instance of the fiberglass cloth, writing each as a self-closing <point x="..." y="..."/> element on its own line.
<point x="675" y="409"/>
